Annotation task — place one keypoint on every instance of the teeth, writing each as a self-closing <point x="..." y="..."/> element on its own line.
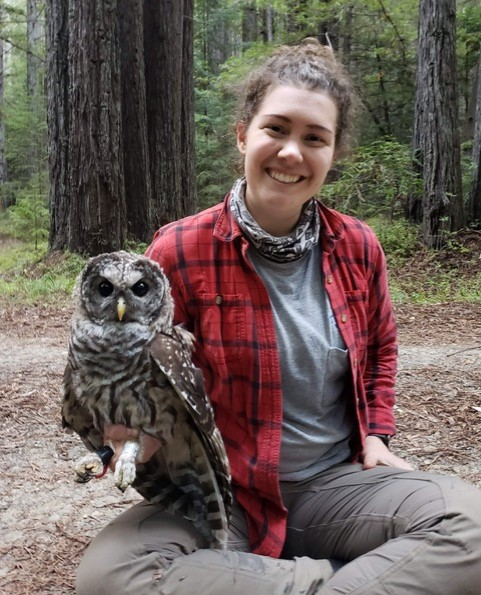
<point x="285" y="178"/>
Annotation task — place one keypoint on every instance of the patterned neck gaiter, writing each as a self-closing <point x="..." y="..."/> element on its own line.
<point x="278" y="249"/>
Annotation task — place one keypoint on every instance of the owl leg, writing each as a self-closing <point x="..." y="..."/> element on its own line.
<point x="125" y="468"/>
<point x="93" y="464"/>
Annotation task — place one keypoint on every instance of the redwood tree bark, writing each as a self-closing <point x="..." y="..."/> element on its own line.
<point x="436" y="142"/>
<point x="97" y="221"/>
<point x="474" y="204"/>
<point x="121" y="120"/>
<point x="34" y="43"/>
<point x="3" y="159"/>
<point x="138" y="194"/>
<point x="169" y="83"/>
<point x="57" y="81"/>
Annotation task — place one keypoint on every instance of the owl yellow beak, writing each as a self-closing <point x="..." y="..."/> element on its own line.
<point x="121" y="308"/>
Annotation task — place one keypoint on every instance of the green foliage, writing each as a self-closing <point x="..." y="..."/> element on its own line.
<point x="28" y="275"/>
<point x="399" y="238"/>
<point x="236" y="69"/>
<point x="29" y="218"/>
<point x="135" y="247"/>
<point x="215" y="140"/>
<point x="25" y="115"/>
<point x="468" y="38"/>
<point x="375" y="180"/>
<point x="215" y="104"/>
<point x="434" y="287"/>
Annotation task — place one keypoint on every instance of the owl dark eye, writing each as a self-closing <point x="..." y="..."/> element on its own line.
<point x="140" y="288"/>
<point x="105" y="288"/>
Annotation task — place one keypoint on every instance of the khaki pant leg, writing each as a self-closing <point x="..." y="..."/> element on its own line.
<point x="400" y="532"/>
<point x="146" y="551"/>
<point x="444" y="559"/>
<point x="133" y="550"/>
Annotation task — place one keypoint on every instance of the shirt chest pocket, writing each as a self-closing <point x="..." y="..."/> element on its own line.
<point x="222" y="327"/>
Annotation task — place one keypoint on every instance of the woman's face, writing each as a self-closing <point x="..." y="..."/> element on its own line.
<point x="288" y="149"/>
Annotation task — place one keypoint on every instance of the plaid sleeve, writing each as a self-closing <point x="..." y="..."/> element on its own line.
<point x="381" y="367"/>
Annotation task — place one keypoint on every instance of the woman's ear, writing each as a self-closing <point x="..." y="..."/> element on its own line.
<point x="241" y="137"/>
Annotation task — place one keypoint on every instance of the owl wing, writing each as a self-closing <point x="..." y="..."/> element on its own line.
<point x="76" y="417"/>
<point x="207" y="463"/>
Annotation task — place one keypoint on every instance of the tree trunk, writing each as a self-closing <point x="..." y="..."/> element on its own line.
<point x="35" y="88"/>
<point x="56" y="12"/>
<point x="97" y="209"/>
<point x="35" y="35"/>
<point x="268" y="27"/>
<point x="121" y="120"/>
<point x="250" y="24"/>
<point x="345" y="45"/>
<point x="168" y="119"/>
<point x="188" y="190"/>
<point x="474" y="203"/>
<point x="138" y="194"/>
<point x="217" y="34"/>
<point x="436" y="137"/>
<point x="295" y="9"/>
<point x="3" y="159"/>
<point x="329" y="30"/>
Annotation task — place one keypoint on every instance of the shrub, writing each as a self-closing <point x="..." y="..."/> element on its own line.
<point x="376" y="180"/>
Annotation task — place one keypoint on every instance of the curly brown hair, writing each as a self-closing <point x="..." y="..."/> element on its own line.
<point x="308" y="65"/>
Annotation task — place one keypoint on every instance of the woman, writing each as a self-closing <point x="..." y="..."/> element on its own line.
<point x="296" y="340"/>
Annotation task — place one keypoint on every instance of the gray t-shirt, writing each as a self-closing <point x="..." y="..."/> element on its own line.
<point x="314" y="365"/>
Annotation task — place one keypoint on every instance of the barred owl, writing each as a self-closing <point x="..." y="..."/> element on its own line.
<point x="128" y="364"/>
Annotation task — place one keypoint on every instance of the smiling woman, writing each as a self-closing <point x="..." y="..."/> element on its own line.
<point x="288" y="149"/>
<point x="289" y="303"/>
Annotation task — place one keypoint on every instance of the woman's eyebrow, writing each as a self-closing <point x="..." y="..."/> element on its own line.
<point x="287" y="119"/>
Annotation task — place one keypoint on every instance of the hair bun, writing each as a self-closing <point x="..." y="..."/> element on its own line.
<point x="310" y="41"/>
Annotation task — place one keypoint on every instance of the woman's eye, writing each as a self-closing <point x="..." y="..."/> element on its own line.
<point x="316" y="140"/>
<point x="105" y="288"/>
<point x="274" y="128"/>
<point x="140" y="288"/>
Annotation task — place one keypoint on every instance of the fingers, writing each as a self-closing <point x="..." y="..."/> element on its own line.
<point x="116" y="435"/>
<point x="149" y="445"/>
<point x="395" y="461"/>
<point x="376" y="453"/>
<point x="391" y="461"/>
<point x="119" y="433"/>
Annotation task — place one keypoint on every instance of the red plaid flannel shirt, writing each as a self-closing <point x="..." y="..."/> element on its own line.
<point x="221" y="299"/>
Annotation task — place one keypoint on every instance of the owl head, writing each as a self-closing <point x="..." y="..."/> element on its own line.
<point x="123" y="288"/>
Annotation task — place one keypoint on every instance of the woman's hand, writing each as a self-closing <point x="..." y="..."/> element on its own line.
<point x="117" y="435"/>
<point x="377" y="453"/>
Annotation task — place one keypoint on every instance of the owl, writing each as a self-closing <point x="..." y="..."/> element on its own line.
<point x="128" y="364"/>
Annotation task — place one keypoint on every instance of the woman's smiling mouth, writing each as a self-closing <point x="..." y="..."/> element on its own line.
<point x="284" y="178"/>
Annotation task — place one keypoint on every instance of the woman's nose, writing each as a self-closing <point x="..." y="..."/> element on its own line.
<point x="291" y="151"/>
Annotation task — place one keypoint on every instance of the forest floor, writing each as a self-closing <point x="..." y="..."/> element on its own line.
<point x="47" y="520"/>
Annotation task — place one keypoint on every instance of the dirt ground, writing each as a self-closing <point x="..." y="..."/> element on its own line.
<point x="47" y="520"/>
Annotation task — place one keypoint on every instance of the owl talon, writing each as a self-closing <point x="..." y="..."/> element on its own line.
<point x="125" y="469"/>
<point x="88" y="467"/>
<point x="124" y="475"/>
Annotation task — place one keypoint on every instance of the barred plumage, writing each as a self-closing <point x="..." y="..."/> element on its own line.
<point x="129" y="365"/>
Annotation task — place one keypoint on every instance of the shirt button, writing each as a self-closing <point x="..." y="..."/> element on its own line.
<point x="329" y="279"/>
<point x="218" y="300"/>
<point x="344" y="318"/>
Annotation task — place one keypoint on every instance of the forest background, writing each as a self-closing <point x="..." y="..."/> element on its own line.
<point x="99" y="103"/>
<point x="117" y="116"/>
